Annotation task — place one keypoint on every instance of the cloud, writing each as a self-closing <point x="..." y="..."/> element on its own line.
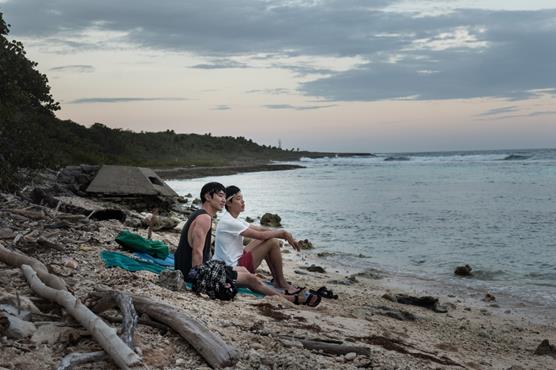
<point x="496" y="111"/>
<point x="221" y="64"/>
<point x="121" y="100"/>
<point x="222" y="107"/>
<point x="460" y="54"/>
<point x="297" y="107"/>
<point x="79" y="68"/>
<point x="276" y="91"/>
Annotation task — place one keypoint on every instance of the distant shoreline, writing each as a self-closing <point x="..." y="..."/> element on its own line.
<point x="183" y="173"/>
<point x="193" y="172"/>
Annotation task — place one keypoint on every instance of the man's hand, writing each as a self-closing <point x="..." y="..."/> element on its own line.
<point x="294" y="243"/>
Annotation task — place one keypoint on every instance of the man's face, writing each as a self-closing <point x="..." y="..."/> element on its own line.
<point x="236" y="204"/>
<point x="218" y="200"/>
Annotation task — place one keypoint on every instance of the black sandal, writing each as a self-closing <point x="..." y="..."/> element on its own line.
<point x="307" y="301"/>
<point x="324" y="292"/>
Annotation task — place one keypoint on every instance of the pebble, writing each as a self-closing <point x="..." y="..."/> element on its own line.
<point x="180" y="361"/>
<point x="350" y="356"/>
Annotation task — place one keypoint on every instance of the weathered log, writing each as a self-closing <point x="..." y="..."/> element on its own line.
<point x="129" y="321"/>
<point x="125" y="304"/>
<point x="106" y="336"/>
<point x="34" y="215"/>
<point x="13" y="258"/>
<point x="210" y="346"/>
<point x="79" y="358"/>
<point x="332" y="348"/>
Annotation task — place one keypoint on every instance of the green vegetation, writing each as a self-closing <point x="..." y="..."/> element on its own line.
<point x="32" y="138"/>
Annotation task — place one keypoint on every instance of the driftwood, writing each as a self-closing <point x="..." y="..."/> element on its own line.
<point x="13" y="258"/>
<point x="129" y="321"/>
<point x="210" y="346"/>
<point x="106" y="336"/>
<point x="79" y="358"/>
<point x="334" y="348"/>
<point x="399" y="346"/>
<point x="125" y="305"/>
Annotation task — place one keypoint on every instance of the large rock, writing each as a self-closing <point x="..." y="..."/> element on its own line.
<point x="272" y="220"/>
<point x="546" y="349"/>
<point x="463" y="271"/>
<point x="171" y="279"/>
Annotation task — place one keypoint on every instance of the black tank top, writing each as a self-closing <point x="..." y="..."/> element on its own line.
<point x="183" y="255"/>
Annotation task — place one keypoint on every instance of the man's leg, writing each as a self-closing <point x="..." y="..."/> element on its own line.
<point x="269" y="250"/>
<point x="251" y="281"/>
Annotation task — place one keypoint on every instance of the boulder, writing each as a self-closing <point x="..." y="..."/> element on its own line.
<point x="305" y="244"/>
<point x="463" y="271"/>
<point x="171" y="279"/>
<point x="272" y="220"/>
<point x="546" y="349"/>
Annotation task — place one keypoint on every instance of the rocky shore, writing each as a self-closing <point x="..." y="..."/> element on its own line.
<point x="369" y="325"/>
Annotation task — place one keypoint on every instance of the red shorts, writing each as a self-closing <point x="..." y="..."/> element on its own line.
<point x="246" y="260"/>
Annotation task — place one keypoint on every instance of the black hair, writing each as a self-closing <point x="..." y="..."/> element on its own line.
<point x="230" y="192"/>
<point x="211" y="188"/>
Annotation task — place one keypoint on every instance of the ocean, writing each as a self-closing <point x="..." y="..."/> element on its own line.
<point x="419" y="215"/>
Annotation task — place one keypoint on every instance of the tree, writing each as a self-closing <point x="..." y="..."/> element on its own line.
<point x="26" y="106"/>
<point x="22" y="87"/>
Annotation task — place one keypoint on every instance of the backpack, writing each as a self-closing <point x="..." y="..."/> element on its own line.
<point x="216" y="280"/>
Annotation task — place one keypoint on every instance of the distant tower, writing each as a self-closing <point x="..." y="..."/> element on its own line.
<point x="279" y="144"/>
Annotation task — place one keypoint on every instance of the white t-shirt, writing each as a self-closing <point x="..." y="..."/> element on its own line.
<point x="228" y="246"/>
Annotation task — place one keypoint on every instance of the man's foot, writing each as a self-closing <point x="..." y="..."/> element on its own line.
<point x="289" y="289"/>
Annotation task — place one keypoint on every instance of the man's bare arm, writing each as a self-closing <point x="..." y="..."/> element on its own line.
<point x="198" y="232"/>
<point x="253" y="233"/>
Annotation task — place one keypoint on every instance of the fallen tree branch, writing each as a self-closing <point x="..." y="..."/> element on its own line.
<point x="208" y="344"/>
<point x="79" y="358"/>
<point x="332" y="348"/>
<point x="125" y="304"/>
<point x="106" y="336"/>
<point x="13" y="258"/>
<point x="399" y="346"/>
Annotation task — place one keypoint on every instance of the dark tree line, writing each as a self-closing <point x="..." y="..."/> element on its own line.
<point x="32" y="138"/>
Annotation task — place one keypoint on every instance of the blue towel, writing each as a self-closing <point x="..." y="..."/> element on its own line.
<point x="167" y="262"/>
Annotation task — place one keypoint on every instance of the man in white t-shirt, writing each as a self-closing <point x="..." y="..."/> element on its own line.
<point x="264" y="246"/>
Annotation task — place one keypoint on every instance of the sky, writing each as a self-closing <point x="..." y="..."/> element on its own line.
<point x="325" y="75"/>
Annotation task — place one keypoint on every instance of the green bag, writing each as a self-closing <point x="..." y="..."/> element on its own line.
<point x="135" y="242"/>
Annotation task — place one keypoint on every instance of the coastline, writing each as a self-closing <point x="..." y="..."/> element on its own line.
<point x="183" y="173"/>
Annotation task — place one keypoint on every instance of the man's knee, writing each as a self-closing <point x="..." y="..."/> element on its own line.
<point x="275" y="243"/>
<point x="241" y="269"/>
<point x="248" y="279"/>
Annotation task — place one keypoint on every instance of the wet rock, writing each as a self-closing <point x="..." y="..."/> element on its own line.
<point x="315" y="268"/>
<point x="393" y="313"/>
<point x="325" y="254"/>
<point x="489" y="298"/>
<point x="249" y="219"/>
<point x="305" y="244"/>
<point x="172" y="280"/>
<point x="463" y="271"/>
<point x="426" y="301"/>
<point x="546" y="349"/>
<point x="272" y="220"/>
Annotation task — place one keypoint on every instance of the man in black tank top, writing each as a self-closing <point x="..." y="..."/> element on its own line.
<point x="194" y="247"/>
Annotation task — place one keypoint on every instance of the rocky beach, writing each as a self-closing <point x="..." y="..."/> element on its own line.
<point x="372" y="324"/>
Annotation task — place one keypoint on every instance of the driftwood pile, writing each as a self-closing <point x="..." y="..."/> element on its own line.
<point x="38" y="240"/>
